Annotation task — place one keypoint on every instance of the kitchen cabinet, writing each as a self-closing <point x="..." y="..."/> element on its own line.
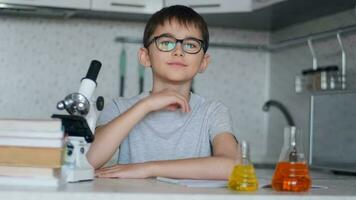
<point x="260" y="15"/>
<point x="148" y="6"/>
<point x="257" y="4"/>
<point x="223" y="6"/>
<point x="214" y="6"/>
<point x="73" y="4"/>
<point x="127" y="6"/>
<point x="201" y="6"/>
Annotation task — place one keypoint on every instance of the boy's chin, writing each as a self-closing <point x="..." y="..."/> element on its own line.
<point x="180" y="78"/>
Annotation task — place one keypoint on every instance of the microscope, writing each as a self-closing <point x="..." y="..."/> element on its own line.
<point x="79" y="126"/>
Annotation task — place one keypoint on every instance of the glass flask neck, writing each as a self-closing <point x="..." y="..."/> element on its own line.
<point x="245" y="153"/>
<point x="292" y="150"/>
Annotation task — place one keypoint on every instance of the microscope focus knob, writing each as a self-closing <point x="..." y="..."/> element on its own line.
<point x="81" y="106"/>
<point x="60" y="105"/>
<point x="100" y="103"/>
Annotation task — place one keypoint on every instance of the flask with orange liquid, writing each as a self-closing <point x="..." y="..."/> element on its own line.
<point x="243" y="176"/>
<point x="292" y="171"/>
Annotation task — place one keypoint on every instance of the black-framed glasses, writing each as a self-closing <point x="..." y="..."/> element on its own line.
<point x="167" y="43"/>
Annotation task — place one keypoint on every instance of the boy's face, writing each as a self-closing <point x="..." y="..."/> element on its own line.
<point x="175" y="65"/>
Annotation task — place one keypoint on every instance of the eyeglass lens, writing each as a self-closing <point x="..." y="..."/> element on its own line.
<point x="167" y="43"/>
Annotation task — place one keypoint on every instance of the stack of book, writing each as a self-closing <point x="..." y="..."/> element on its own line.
<point x="31" y="152"/>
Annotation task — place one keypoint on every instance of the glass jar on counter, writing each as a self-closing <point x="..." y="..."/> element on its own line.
<point x="320" y="79"/>
<point x="333" y="77"/>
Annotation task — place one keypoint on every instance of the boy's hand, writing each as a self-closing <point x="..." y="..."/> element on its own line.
<point x="139" y="170"/>
<point x="168" y="100"/>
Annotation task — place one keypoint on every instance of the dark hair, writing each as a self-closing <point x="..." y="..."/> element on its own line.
<point x="183" y="15"/>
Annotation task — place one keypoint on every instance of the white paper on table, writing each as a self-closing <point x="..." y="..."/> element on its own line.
<point x="266" y="183"/>
<point x="263" y="183"/>
<point x="195" y="183"/>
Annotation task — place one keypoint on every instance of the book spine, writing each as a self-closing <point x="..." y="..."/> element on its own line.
<point x="40" y="172"/>
<point x="32" y="157"/>
<point x="30" y="125"/>
<point x="31" y="142"/>
<point x="29" y="181"/>
<point x="32" y="134"/>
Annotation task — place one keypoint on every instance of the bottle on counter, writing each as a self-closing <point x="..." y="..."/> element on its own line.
<point x="292" y="171"/>
<point x="243" y="176"/>
<point x="299" y="80"/>
<point x="333" y="77"/>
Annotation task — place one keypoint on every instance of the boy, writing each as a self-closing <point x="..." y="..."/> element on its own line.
<point x="169" y="131"/>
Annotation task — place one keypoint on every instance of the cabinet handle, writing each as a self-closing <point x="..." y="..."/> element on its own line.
<point x="17" y="7"/>
<point x="197" y="6"/>
<point x="128" y="5"/>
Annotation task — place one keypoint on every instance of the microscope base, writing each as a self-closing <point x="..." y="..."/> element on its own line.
<point x="73" y="175"/>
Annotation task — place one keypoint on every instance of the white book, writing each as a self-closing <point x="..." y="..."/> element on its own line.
<point x="32" y="134"/>
<point x="39" y="172"/>
<point x="31" y="142"/>
<point x="31" y="124"/>
<point x="30" y="181"/>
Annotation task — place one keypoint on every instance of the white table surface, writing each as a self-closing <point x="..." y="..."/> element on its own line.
<point x="339" y="187"/>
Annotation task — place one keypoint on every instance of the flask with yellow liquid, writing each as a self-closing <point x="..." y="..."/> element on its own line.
<point x="243" y="176"/>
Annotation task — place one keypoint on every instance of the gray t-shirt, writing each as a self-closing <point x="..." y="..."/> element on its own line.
<point x="168" y="135"/>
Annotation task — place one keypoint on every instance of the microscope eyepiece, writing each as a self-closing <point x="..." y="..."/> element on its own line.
<point x="93" y="70"/>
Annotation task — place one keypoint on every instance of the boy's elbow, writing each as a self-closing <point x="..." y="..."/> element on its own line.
<point x="230" y="163"/>
<point x="227" y="164"/>
<point x="92" y="161"/>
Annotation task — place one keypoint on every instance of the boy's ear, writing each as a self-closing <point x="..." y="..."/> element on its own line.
<point x="205" y="62"/>
<point x="143" y="57"/>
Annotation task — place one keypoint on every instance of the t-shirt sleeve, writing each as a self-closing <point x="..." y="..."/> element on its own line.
<point x="220" y="120"/>
<point x="109" y="113"/>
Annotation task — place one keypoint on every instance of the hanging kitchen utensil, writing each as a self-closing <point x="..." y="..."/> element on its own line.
<point x="343" y="62"/>
<point x="122" y="70"/>
<point x="141" y="77"/>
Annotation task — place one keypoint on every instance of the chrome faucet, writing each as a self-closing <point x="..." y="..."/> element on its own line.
<point x="282" y="108"/>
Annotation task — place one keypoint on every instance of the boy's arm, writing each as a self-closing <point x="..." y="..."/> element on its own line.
<point x="111" y="135"/>
<point x="219" y="166"/>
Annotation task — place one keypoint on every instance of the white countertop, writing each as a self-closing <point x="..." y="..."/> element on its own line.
<point x="339" y="187"/>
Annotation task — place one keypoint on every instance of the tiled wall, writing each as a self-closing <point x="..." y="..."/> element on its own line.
<point x="42" y="60"/>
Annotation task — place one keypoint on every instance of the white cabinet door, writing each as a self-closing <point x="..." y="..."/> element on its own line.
<point x="128" y="6"/>
<point x="223" y="6"/>
<point x="214" y="6"/>
<point x="75" y="4"/>
<point x="257" y="4"/>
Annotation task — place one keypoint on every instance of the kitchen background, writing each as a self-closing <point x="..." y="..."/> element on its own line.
<point x="42" y="59"/>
